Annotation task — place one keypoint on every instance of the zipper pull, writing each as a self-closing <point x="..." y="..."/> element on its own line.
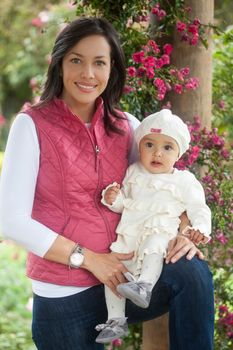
<point x="97" y="151"/>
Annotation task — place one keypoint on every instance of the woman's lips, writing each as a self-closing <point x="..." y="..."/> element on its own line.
<point x="86" y="87"/>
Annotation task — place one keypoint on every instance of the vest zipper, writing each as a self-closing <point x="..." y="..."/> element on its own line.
<point x="108" y="231"/>
<point x="97" y="151"/>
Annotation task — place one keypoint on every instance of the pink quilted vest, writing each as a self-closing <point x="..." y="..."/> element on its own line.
<point x="76" y="163"/>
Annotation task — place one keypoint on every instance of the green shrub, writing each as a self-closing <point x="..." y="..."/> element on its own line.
<point x="15" y="291"/>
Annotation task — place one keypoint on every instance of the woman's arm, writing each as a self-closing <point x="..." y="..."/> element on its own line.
<point x="17" y="189"/>
<point x="107" y="268"/>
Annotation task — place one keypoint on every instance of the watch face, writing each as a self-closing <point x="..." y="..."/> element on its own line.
<point x="76" y="259"/>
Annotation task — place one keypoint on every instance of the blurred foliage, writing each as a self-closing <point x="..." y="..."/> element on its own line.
<point x="223" y="13"/>
<point x="15" y="291"/>
<point x="25" y="47"/>
<point x="223" y="82"/>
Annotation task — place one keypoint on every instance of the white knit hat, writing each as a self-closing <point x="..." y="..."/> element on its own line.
<point x="166" y="123"/>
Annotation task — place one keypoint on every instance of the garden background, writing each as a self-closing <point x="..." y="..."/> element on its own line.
<point x="150" y="32"/>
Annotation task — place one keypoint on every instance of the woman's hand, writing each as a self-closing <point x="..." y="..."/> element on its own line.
<point x="107" y="268"/>
<point x="180" y="246"/>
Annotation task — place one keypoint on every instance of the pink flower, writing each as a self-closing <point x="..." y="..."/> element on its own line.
<point x="193" y="29"/>
<point x="161" y="14"/>
<point x="166" y="59"/>
<point x="149" y="61"/>
<point x="172" y="72"/>
<point x="185" y="71"/>
<point x="154" y="46"/>
<point x="160" y="96"/>
<point x="230" y="335"/>
<point x="194" y="40"/>
<point x="37" y="22"/>
<point x="225" y="154"/>
<point x="180" y="26"/>
<point x="196" y="21"/>
<point x="217" y="141"/>
<point x="138" y="57"/>
<point x="2" y="120"/>
<point x="221" y="238"/>
<point x="140" y="72"/>
<point x="178" y="88"/>
<point x="128" y="89"/>
<point x="158" y="82"/>
<point x="185" y="37"/>
<point x="117" y="342"/>
<point x="167" y="49"/>
<point x="221" y="104"/>
<point x="131" y="71"/>
<point x="159" y="63"/>
<point x="207" y="179"/>
<point x="192" y="84"/>
<point x="155" y="10"/>
<point x="150" y="73"/>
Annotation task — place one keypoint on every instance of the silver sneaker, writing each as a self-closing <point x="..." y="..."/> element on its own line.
<point x="113" y="329"/>
<point x="138" y="292"/>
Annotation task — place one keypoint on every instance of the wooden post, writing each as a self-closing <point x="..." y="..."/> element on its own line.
<point x="199" y="60"/>
<point x="155" y="334"/>
<point x="187" y="105"/>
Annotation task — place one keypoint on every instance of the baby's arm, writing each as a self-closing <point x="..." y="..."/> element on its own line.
<point x="198" y="212"/>
<point x="111" y="193"/>
<point x="112" y="197"/>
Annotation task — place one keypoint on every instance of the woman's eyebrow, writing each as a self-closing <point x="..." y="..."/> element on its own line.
<point x="79" y="55"/>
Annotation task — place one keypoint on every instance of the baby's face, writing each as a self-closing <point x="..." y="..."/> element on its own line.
<point x="158" y="153"/>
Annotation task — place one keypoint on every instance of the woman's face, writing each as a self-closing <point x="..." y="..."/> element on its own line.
<point x="85" y="71"/>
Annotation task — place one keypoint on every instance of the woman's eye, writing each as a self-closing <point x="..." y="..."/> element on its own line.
<point x="100" y="63"/>
<point x="75" y="60"/>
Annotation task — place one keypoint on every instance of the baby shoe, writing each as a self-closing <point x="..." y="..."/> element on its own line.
<point x="114" y="328"/>
<point x="138" y="292"/>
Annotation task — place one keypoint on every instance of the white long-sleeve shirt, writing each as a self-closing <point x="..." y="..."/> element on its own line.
<point x="17" y="189"/>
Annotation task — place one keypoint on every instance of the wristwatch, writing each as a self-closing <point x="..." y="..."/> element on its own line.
<point x="76" y="257"/>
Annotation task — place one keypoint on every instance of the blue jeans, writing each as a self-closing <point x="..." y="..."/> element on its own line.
<point x="185" y="289"/>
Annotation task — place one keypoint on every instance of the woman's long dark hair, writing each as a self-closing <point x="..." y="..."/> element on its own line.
<point x="70" y="36"/>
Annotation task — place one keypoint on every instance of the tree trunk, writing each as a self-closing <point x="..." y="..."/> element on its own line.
<point x="155" y="334"/>
<point x="187" y="105"/>
<point x="199" y="60"/>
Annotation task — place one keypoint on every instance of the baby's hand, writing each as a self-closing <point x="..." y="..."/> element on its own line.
<point x="111" y="194"/>
<point x="197" y="237"/>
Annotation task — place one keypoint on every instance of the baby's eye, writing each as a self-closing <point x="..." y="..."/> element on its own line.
<point x="168" y="147"/>
<point x="149" y="144"/>
<point x="75" y="60"/>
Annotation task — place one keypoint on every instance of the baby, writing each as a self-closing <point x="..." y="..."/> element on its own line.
<point x="153" y="196"/>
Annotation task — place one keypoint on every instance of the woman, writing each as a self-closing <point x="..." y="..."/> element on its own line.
<point x="60" y="154"/>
